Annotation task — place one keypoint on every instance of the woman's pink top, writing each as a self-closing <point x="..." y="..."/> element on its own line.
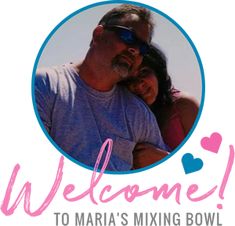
<point x="173" y="133"/>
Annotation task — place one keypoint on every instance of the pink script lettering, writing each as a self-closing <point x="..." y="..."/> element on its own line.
<point x="129" y="192"/>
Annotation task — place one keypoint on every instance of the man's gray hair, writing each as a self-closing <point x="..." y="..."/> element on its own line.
<point x="113" y="16"/>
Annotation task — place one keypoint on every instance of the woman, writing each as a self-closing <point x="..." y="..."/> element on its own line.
<point x="174" y="110"/>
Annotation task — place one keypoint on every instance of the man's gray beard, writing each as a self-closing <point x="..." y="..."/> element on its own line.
<point x="121" y="69"/>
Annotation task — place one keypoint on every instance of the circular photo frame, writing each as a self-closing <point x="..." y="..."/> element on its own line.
<point x="69" y="43"/>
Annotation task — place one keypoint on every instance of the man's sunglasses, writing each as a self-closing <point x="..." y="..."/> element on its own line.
<point x="128" y="36"/>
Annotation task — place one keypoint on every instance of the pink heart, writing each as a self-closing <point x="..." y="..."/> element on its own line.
<point x="212" y="143"/>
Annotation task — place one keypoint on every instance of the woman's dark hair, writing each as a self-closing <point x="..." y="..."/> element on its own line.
<point x="156" y="60"/>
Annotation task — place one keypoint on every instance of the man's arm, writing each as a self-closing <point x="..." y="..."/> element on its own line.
<point x="146" y="154"/>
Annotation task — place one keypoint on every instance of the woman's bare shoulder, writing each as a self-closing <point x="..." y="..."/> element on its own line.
<point x="185" y="100"/>
<point x="187" y="108"/>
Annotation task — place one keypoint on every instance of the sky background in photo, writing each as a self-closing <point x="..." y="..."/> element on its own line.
<point x="71" y="41"/>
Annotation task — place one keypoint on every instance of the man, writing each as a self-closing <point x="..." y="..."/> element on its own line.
<point x="81" y="105"/>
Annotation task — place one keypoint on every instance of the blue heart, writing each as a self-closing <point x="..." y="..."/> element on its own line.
<point x="191" y="164"/>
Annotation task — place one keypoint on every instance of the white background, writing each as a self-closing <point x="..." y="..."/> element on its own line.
<point x="24" y="27"/>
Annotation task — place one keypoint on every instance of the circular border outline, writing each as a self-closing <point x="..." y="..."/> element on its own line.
<point x="118" y="2"/>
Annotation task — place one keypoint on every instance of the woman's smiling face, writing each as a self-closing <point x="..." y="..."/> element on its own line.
<point x="145" y="85"/>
